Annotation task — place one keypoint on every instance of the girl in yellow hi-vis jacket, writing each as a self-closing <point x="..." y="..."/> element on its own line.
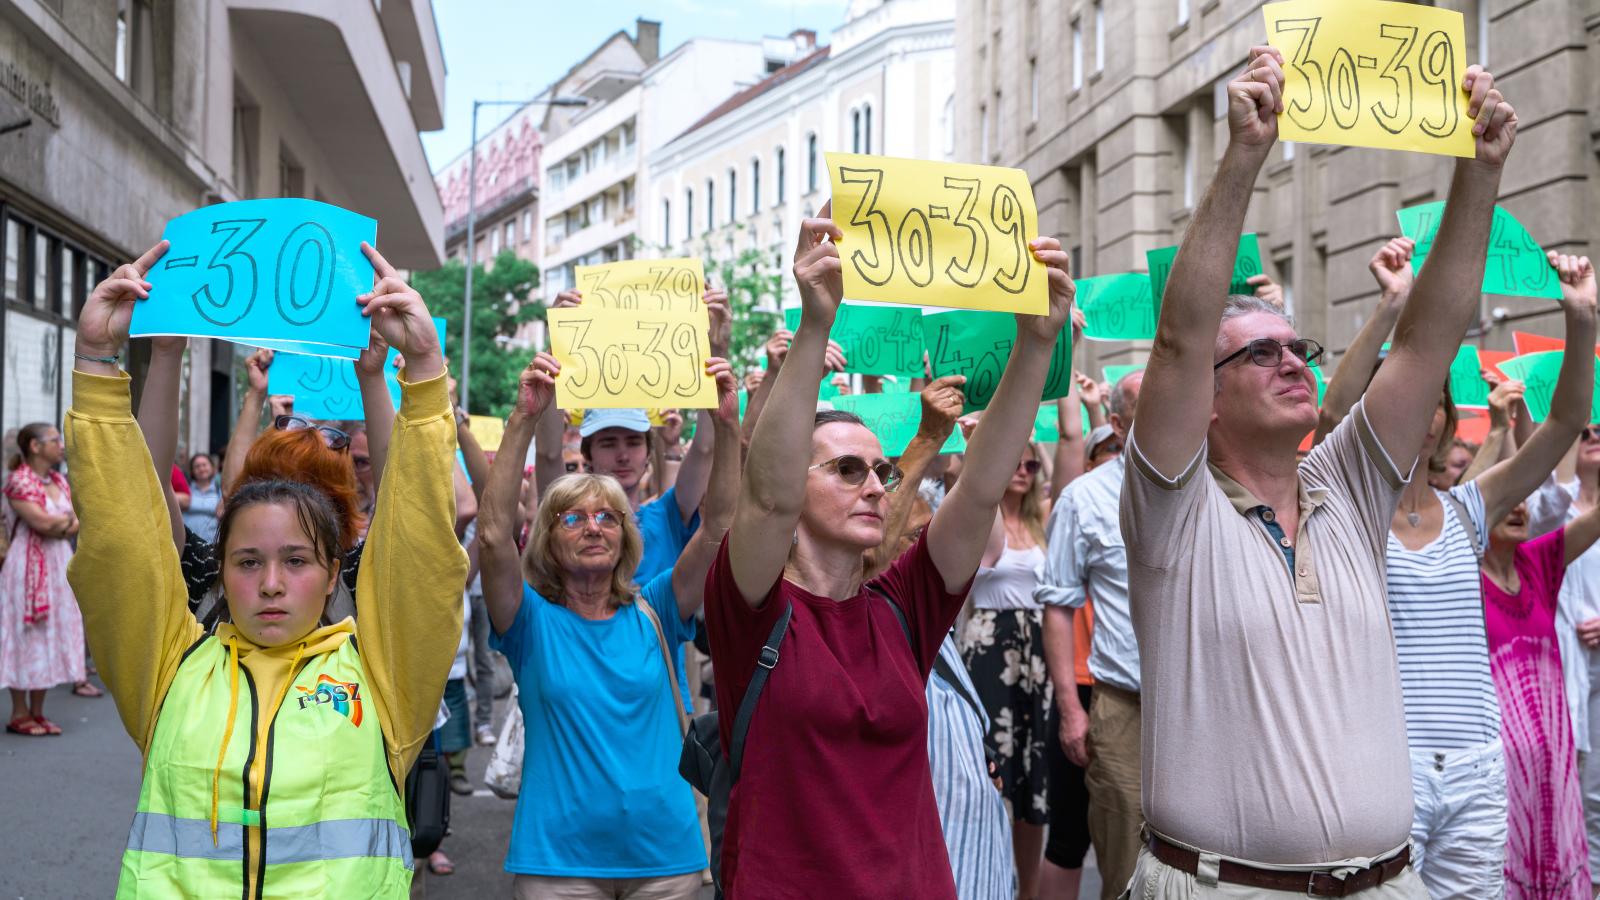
<point x="274" y="747"/>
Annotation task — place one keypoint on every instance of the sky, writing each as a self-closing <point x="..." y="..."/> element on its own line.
<point x="513" y="49"/>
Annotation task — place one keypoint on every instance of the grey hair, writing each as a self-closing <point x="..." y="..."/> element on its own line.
<point x="1247" y="304"/>
<point x="1120" y="404"/>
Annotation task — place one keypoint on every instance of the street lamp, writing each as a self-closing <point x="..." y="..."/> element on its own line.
<point x="472" y="211"/>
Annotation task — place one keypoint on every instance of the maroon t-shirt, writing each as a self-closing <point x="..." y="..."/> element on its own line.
<point x="835" y="798"/>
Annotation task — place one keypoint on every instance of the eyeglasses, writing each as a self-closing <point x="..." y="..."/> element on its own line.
<point x="1031" y="466"/>
<point x="1268" y="353"/>
<point x="605" y="520"/>
<point x="1591" y="433"/>
<point x="337" y="440"/>
<point x="571" y="467"/>
<point x="853" y="470"/>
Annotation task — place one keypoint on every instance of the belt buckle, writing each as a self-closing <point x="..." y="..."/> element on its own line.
<point x="1339" y="888"/>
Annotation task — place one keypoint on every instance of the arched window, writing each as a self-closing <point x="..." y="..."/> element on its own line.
<point x="782" y="188"/>
<point x="811" y="162"/>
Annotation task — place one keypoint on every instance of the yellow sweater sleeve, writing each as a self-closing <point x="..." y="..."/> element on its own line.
<point x="413" y="571"/>
<point x="125" y="573"/>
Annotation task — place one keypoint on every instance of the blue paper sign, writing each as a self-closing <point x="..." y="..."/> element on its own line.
<point x="312" y="349"/>
<point x="262" y="270"/>
<point x="326" y="388"/>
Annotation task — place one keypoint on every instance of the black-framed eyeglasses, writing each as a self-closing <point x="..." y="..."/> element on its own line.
<point x="1591" y="433"/>
<point x="337" y="440"/>
<point x="853" y="470"/>
<point x="605" y="519"/>
<point x="1268" y="353"/>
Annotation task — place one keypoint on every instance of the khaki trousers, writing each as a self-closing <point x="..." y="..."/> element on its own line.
<point x="1155" y="880"/>
<point x="1114" y="780"/>
<point x="665" y="887"/>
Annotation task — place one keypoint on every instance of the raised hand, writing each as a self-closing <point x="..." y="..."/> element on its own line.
<point x="721" y="315"/>
<point x="1255" y="99"/>
<point x="1059" y="268"/>
<point x="567" y="299"/>
<point x="1503" y="398"/>
<point x="1577" y="281"/>
<point x="280" y="405"/>
<point x="942" y="400"/>
<point x="1495" y="122"/>
<point x="1391" y="268"/>
<point x="1089" y="390"/>
<point x="1267" y="289"/>
<point x="371" y="360"/>
<point x="536" y="386"/>
<point x="727" y="390"/>
<point x="1589" y="633"/>
<point x="103" y="323"/>
<point x="753" y="380"/>
<point x="400" y="316"/>
<point x="818" y="270"/>
<point x="777" y="348"/>
<point x="255" y="369"/>
<point x="833" y="358"/>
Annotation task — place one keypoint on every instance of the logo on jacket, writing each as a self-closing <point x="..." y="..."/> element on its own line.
<point x="343" y="696"/>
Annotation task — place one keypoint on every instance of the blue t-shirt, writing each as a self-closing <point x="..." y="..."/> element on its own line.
<point x="665" y="534"/>
<point x="601" y="794"/>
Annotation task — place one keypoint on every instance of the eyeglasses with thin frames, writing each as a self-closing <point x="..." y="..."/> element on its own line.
<point x="603" y="519"/>
<point x="852" y="470"/>
<point x="1268" y="353"/>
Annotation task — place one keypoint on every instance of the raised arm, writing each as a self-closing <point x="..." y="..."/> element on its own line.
<point x="1582" y="532"/>
<point x="158" y="417"/>
<point x="721" y="494"/>
<point x="773" y="490"/>
<point x="1444" y="302"/>
<point x="1502" y="398"/>
<point x="941" y="406"/>
<point x="1510" y="482"/>
<point x="1069" y="461"/>
<point x="695" y="471"/>
<point x="498" y="560"/>
<point x="248" y="423"/>
<point x="1391" y="266"/>
<point x="377" y="407"/>
<point x="136" y="617"/>
<point x="1175" y="405"/>
<point x="408" y="595"/>
<point x="472" y="452"/>
<point x="956" y="539"/>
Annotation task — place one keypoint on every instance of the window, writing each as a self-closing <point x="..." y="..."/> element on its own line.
<point x="949" y="124"/>
<point x="666" y="221"/>
<point x="1033" y="90"/>
<point x="67" y="265"/>
<point x="42" y="247"/>
<point x="1099" y="36"/>
<point x="291" y="175"/>
<point x="1189" y="150"/>
<point x="511" y="234"/>
<point x="14" y="237"/>
<point x="1483" y="33"/>
<point x="1183" y="12"/>
<point x="866" y="128"/>
<point x="246" y="136"/>
<point x="711" y="205"/>
<point x="527" y="225"/>
<point x="782" y="188"/>
<point x="855" y="131"/>
<point x="811" y="163"/>
<point x="1077" y="55"/>
<point x="494" y="242"/>
<point x="688" y="212"/>
<point x="999" y="122"/>
<point x="983" y="127"/>
<point x="733" y="195"/>
<point x="755" y="186"/>
<point x="1288" y="150"/>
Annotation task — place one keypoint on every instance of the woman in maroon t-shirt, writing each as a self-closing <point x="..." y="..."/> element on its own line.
<point x="834" y="798"/>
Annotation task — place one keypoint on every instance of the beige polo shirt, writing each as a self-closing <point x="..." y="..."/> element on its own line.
<point x="1273" y="724"/>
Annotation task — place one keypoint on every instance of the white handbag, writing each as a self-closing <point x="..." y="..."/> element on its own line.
<point x="504" y="774"/>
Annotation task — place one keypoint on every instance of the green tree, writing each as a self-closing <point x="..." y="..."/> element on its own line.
<point x="501" y="303"/>
<point x="752" y="279"/>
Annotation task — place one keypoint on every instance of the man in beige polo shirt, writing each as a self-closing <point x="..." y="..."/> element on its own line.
<point x="1274" y="744"/>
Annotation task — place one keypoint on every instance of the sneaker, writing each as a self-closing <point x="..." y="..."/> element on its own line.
<point x="485" y="736"/>
<point x="460" y="785"/>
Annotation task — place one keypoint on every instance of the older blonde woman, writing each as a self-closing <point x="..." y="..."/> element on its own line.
<point x="603" y="811"/>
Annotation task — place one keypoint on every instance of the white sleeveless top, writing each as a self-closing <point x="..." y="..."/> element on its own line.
<point x="1009" y="583"/>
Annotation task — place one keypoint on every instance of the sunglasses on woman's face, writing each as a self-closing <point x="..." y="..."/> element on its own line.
<point x="1591" y="433"/>
<point x="1268" y="353"/>
<point x="605" y="519"/>
<point x="337" y="440"/>
<point x="852" y="470"/>
<point x="1030" y="466"/>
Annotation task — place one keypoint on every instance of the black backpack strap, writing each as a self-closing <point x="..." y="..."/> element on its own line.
<point x="747" y="706"/>
<point x="948" y="673"/>
<point x="899" y="614"/>
<point x="1460" y="510"/>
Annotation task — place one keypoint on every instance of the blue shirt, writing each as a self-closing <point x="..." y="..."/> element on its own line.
<point x="977" y="828"/>
<point x="665" y="534"/>
<point x="601" y="795"/>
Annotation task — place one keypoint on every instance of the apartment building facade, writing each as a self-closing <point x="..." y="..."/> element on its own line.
<point x="118" y="115"/>
<point x="1116" y="110"/>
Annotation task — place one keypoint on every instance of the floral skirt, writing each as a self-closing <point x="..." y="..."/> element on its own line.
<point x="1004" y="653"/>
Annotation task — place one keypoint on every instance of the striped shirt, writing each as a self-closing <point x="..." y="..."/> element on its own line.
<point x="972" y="813"/>
<point x="1437" y="612"/>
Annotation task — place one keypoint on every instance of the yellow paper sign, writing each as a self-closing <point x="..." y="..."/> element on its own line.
<point x="937" y="234"/>
<point x="616" y="358"/>
<point x="488" y="430"/>
<point x="1369" y="73"/>
<point x="645" y="284"/>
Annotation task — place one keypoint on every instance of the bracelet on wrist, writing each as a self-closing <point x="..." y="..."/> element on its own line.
<point x="108" y="360"/>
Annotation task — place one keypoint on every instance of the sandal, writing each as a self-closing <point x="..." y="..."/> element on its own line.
<point x="49" y="727"/>
<point x="439" y="864"/>
<point x="26" y="726"/>
<point x="85" y="689"/>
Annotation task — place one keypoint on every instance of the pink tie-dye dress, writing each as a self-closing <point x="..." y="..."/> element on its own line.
<point x="1546" y="855"/>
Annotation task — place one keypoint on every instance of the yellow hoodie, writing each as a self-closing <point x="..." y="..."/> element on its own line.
<point x="129" y="584"/>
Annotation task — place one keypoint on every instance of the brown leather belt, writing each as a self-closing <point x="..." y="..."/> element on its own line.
<point x="1316" y="884"/>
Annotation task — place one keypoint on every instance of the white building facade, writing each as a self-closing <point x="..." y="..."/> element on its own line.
<point x="745" y="174"/>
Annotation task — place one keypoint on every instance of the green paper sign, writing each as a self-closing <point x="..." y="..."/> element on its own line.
<point x="1047" y="424"/>
<point x="1468" y="390"/>
<point x="1515" y="265"/>
<point x="978" y="345"/>
<point x="894" y="418"/>
<point x="1246" y="265"/>
<point x="1117" y="307"/>
<point x="877" y="340"/>
<point x="1539" y="372"/>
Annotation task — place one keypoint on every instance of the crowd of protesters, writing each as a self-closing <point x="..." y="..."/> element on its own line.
<point x="1231" y="642"/>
